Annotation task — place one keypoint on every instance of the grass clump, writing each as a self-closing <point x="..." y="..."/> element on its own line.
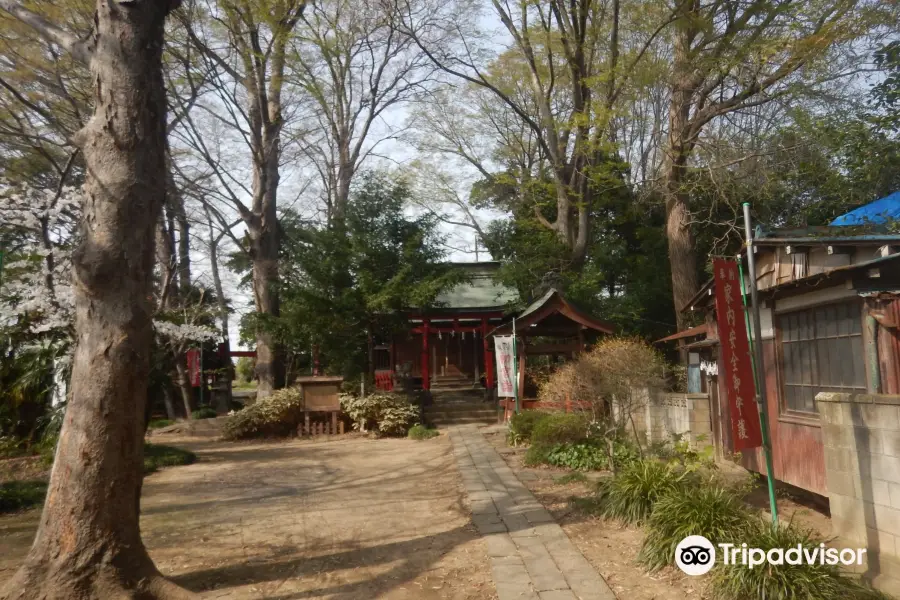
<point x="522" y="424"/>
<point x="157" y="456"/>
<point x="631" y="495"/>
<point x="159" y="423"/>
<point x="21" y="495"/>
<point x="713" y="511"/>
<point x="276" y="415"/>
<point x="786" y="582"/>
<point x="204" y="412"/>
<point x="420" y="432"/>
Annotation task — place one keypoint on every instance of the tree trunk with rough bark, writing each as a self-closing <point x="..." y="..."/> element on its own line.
<point x="264" y="254"/>
<point x="88" y="545"/>
<point x="681" y="140"/>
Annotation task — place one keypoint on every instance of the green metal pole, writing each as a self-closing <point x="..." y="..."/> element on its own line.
<point x="515" y="367"/>
<point x="758" y="363"/>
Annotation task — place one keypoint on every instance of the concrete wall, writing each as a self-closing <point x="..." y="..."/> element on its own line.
<point x="658" y="415"/>
<point x="861" y="436"/>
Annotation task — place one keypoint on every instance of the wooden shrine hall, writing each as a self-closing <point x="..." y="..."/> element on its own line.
<point x="451" y="345"/>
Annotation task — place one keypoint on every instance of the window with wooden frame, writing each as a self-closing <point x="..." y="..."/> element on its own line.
<point x="821" y="351"/>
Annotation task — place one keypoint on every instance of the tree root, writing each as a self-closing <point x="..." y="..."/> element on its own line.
<point x="28" y="584"/>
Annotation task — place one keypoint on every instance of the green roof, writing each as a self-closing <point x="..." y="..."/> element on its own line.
<point x="481" y="291"/>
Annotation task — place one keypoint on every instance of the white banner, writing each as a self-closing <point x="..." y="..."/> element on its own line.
<point x="506" y="369"/>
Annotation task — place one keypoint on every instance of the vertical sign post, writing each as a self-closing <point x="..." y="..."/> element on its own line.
<point x="759" y="370"/>
<point x="738" y="375"/>
<point x="515" y="359"/>
<point x="503" y="346"/>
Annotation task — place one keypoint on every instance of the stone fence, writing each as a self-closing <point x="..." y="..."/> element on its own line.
<point x="861" y="435"/>
<point x="659" y="415"/>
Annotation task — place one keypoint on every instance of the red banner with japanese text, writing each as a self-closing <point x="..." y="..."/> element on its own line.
<point x="193" y="365"/>
<point x="737" y="373"/>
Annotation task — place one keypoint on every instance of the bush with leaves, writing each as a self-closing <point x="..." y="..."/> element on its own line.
<point x="581" y="456"/>
<point x="384" y="412"/>
<point x="420" y="432"/>
<point x="21" y="495"/>
<point x="277" y="415"/>
<point x="712" y="510"/>
<point x="786" y="582"/>
<point x="612" y="369"/>
<point x="522" y="424"/>
<point x="631" y="495"/>
<point x="204" y="412"/>
<point x="560" y="428"/>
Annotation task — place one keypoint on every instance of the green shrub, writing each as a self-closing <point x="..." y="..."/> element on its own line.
<point x="21" y="495"/>
<point x="713" y="511"/>
<point x="204" y="412"/>
<point x="521" y="426"/>
<point x="630" y="495"/>
<point x="581" y="456"/>
<point x="420" y="432"/>
<point x="537" y="454"/>
<point x="46" y="448"/>
<point x="387" y="413"/>
<point x="11" y="447"/>
<point x="560" y="428"/>
<point x="157" y="456"/>
<point x="785" y="582"/>
<point x="276" y="415"/>
<point x="159" y="423"/>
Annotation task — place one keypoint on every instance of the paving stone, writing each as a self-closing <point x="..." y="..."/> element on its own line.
<point x="557" y="595"/>
<point x="500" y="545"/>
<point x="532" y="558"/>
<point x="537" y="516"/>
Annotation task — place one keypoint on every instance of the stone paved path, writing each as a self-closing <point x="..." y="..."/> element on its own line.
<point x="531" y="556"/>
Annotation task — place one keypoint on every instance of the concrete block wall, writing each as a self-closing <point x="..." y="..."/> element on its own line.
<point x="663" y="414"/>
<point x="861" y="436"/>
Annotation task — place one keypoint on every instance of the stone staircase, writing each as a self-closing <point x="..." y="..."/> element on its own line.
<point x="457" y="400"/>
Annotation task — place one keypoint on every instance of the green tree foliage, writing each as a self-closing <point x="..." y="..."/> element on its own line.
<point x="343" y="283"/>
<point x="620" y="278"/>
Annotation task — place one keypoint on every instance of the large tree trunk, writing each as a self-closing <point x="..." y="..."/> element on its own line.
<point x="88" y="544"/>
<point x="269" y="357"/>
<point x="682" y="253"/>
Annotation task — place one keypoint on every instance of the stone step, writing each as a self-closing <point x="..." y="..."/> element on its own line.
<point x="460" y="407"/>
<point x="464" y="421"/>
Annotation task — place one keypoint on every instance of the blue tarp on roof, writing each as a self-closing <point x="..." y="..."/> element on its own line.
<point x="875" y="213"/>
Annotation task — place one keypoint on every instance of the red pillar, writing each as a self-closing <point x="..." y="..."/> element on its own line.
<point x="426" y="380"/>
<point x="488" y="360"/>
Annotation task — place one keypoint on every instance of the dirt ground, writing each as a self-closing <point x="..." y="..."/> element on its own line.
<point x="348" y="519"/>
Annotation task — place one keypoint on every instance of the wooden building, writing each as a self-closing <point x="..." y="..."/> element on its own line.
<point x="451" y="341"/>
<point x="830" y="311"/>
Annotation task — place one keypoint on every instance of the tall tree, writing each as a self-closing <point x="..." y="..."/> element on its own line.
<point x="562" y="76"/>
<point x="88" y="544"/>
<point x="358" y="70"/>
<point x="245" y="43"/>
<point x="728" y="58"/>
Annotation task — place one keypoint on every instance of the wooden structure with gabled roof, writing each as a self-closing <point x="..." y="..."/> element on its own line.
<point x="551" y="316"/>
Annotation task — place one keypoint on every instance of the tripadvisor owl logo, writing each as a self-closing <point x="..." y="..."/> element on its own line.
<point x="695" y="555"/>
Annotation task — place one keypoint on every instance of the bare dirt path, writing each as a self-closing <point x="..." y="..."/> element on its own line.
<point x="350" y="519"/>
